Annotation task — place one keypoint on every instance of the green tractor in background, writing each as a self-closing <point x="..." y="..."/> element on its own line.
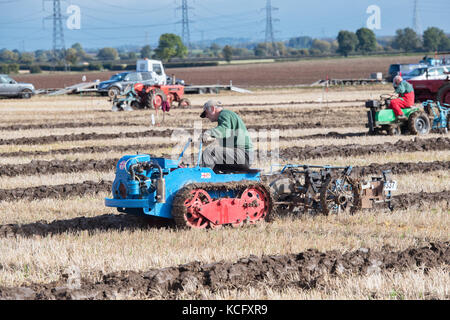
<point x="382" y="119"/>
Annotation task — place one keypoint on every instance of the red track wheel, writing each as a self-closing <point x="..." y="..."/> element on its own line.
<point x="193" y="204"/>
<point x="256" y="203"/>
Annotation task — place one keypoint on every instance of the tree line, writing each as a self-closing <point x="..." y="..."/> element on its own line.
<point x="407" y="40"/>
<point x="170" y="46"/>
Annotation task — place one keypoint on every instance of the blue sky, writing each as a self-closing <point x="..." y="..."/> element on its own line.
<point x="138" y="22"/>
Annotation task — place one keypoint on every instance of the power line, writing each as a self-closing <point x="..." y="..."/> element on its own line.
<point x="185" y="32"/>
<point x="59" y="47"/>
<point x="416" y="25"/>
<point x="269" y="24"/>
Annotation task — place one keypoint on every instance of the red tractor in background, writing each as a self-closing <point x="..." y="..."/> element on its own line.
<point x="153" y="93"/>
<point x="142" y="96"/>
<point x="437" y="90"/>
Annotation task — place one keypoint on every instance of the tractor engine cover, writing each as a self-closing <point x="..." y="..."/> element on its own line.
<point x="373" y="104"/>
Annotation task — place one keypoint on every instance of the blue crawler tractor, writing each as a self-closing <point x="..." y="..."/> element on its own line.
<point x="200" y="197"/>
<point x="195" y="196"/>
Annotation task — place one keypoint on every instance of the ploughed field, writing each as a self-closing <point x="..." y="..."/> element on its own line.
<point x="250" y="75"/>
<point x="59" y="241"/>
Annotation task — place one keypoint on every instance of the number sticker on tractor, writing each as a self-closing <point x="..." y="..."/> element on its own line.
<point x="122" y="165"/>
<point x="206" y="175"/>
<point x="390" y="186"/>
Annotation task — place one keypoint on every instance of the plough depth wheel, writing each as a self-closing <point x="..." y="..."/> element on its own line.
<point x="339" y="195"/>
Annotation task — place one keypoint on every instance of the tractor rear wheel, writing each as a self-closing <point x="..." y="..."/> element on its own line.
<point x="448" y="121"/>
<point x="135" y="105"/>
<point x="156" y="99"/>
<point x="419" y="123"/>
<point x="443" y="94"/>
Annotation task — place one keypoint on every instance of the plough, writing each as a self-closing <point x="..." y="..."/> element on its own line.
<point x="200" y="197"/>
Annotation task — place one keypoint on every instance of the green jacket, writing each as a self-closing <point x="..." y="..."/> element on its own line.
<point x="404" y="87"/>
<point x="232" y="130"/>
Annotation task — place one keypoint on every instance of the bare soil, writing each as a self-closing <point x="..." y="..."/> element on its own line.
<point x="310" y="269"/>
<point x="66" y="217"/>
<point x="95" y="187"/>
<point x="302" y="153"/>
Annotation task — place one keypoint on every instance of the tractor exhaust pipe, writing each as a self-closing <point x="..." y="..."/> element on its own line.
<point x="161" y="190"/>
<point x="160" y="186"/>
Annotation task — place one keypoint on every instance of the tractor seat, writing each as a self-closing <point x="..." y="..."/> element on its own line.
<point x="234" y="168"/>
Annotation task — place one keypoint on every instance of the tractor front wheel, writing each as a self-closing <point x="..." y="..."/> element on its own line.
<point x="393" y="131"/>
<point x="26" y="94"/>
<point x="419" y="123"/>
<point x="184" y="103"/>
<point x="113" y="92"/>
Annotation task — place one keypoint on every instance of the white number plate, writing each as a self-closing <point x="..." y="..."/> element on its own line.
<point x="390" y="185"/>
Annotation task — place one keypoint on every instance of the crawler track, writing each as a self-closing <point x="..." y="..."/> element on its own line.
<point x="121" y="221"/>
<point x="179" y="209"/>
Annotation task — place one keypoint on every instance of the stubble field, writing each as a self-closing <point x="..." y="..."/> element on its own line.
<point x="59" y="241"/>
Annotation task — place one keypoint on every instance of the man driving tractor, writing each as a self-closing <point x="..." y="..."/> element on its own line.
<point x="235" y="148"/>
<point x="405" y="92"/>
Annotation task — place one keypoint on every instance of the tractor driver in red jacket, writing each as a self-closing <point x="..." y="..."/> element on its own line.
<point x="405" y="92"/>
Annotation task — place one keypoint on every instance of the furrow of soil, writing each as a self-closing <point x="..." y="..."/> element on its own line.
<point x="67" y="166"/>
<point x="125" y="148"/>
<point x="89" y="149"/>
<point x="91" y="187"/>
<point x="161" y="133"/>
<point x="64" y="125"/>
<point x="294" y="103"/>
<point x="351" y="150"/>
<point x="313" y="115"/>
<point x="310" y="269"/>
<point x="56" y="166"/>
<point x="84" y="137"/>
<point x="56" y="191"/>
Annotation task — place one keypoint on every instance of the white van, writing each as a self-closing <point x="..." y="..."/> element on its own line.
<point x="153" y="66"/>
<point x="432" y="73"/>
